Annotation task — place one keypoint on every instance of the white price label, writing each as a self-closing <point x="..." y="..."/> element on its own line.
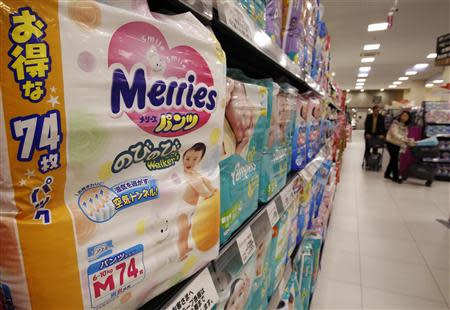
<point x="246" y="244"/>
<point x="199" y="294"/>
<point x="272" y="213"/>
<point x="236" y="19"/>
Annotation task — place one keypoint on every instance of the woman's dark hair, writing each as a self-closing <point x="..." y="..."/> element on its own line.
<point x="199" y="146"/>
<point x="232" y="289"/>
<point x="409" y="117"/>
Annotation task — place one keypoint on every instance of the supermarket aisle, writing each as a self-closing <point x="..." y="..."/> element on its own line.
<point x="385" y="249"/>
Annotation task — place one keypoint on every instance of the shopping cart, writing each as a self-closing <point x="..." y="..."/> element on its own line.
<point x="422" y="166"/>
<point x="374" y="160"/>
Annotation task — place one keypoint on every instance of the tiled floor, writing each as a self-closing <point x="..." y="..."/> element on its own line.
<point x="385" y="249"/>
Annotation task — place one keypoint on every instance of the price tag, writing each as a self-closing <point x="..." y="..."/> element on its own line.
<point x="246" y="244"/>
<point x="111" y="276"/>
<point x="279" y="203"/>
<point x="199" y="294"/>
<point x="272" y="213"/>
<point x="237" y="20"/>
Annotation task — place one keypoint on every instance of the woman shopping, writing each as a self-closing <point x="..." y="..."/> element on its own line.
<point x="397" y="140"/>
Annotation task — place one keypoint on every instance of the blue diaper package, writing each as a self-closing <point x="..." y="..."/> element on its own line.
<point x="315" y="241"/>
<point x="278" y="251"/>
<point x="299" y="139"/>
<point x="244" y="137"/>
<point x="274" y="169"/>
<point x="263" y="234"/>
<point x="291" y="295"/>
<point x="305" y="265"/>
<point x="303" y="210"/>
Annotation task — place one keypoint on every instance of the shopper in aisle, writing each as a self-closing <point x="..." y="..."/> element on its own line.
<point x="397" y="140"/>
<point x="373" y="127"/>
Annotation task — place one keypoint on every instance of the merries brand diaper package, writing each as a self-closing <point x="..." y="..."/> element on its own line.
<point x="244" y="137"/>
<point x="112" y="130"/>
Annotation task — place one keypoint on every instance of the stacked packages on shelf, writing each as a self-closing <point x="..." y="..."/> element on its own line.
<point x="437" y="123"/>
<point x="130" y="154"/>
<point x="296" y="26"/>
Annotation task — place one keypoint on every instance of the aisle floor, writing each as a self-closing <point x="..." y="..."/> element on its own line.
<point x="384" y="249"/>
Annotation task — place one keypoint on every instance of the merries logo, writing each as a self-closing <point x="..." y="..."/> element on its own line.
<point x="166" y="91"/>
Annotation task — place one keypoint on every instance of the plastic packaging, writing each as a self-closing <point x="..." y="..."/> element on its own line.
<point x="117" y="197"/>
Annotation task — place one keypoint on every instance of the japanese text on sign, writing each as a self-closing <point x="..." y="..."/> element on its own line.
<point x="200" y="294"/>
<point x="30" y="54"/>
<point x="246" y="244"/>
<point x="116" y="274"/>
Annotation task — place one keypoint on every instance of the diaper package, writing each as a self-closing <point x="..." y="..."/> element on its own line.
<point x="274" y="169"/>
<point x="315" y="242"/>
<point x="244" y="136"/>
<point x="291" y="295"/>
<point x="304" y="264"/>
<point x="313" y="129"/>
<point x="113" y="120"/>
<point x="256" y="10"/>
<point x="303" y="210"/>
<point x="274" y="13"/>
<point x="278" y="252"/>
<point x="287" y="105"/>
<point x="263" y="240"/>
<point x="233" y="280"/>
<point x="300" y="138"/>
<point x="293" y="31"/>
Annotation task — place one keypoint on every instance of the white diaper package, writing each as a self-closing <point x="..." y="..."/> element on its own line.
<point x="112" y="126"/>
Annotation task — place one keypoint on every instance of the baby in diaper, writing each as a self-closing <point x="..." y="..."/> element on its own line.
<point x="198" y="187"/>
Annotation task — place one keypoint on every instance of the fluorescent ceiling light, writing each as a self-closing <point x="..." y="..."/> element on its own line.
<point x="431" y="55"/>
<point x="360" y="75"/>
<point x="420" y="66"/>
<point x="360" y="80"/>
<point x="364" y="69"/>
<point x="392" y="86"/>
<point x="438" y="81"/>
<point x="362" y="90"/>
<point x="397" y="83"/>
<point x="377" y="27"/>
<point x="410" y="72"/>
<point x="382" y="89"/>
<point x="348" y="90"/>
<point x="359" y="84"/>
<point x="371" y="47"/>
<point x="403" y="78"/>
<point x="429" y="85"/>
<point x="358" y="87"/>
<point x="333" y="73"/>
<point x="368" y="59"/>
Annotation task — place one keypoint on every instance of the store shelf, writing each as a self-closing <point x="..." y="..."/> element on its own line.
<point x="271" y="210"/>
<point x="442" y="177"/>
<point x="437" y="161"/>
<point x="439" y="124"/>
<point x="444" y="150"/>
<point x="247" y="47"/>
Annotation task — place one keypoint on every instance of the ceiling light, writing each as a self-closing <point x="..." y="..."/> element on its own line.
<point x="397" y="83"/>
<point x="431" y="55"/>
<point x="403" y="78"/>
<point x="382" y="89"/>
<point x="410" y="72"/>
<point x="371" y="47"/>
<point x="392" y="86"/>
<point x="420" y="66"/>
<point x="429" y="85"/>
<point x="348" y="90"/>
<point x="377" y="27"/>
<point x="362" y="90"/>
<point x="360" y="75"/>
<point x="358" y="87"/>
<point x="333" y="73"/>
<point x="364" y="69"/>
<point x="368" y="59"/>
<point x="360" y="80"/>
<point x="359" y="84"/>
<point x="438" y="81"/>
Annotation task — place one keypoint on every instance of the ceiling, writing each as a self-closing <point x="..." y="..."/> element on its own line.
<point x="416" y="26"/>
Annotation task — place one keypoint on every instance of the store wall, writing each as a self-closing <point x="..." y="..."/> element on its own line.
<point x="365" y="99"/>
<point x="416" y="92"/>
